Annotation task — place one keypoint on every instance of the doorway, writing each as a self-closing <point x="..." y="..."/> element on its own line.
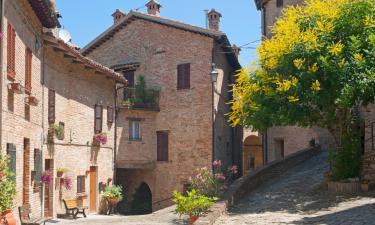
<point x="142" y="200"/>
<point x="48" y="192"/>
<point x="26" y="172"/>
<point x="93" y="188"/>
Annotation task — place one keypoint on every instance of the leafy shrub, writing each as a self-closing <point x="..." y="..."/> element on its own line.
<point x="113" y="192"/>
<point x="193" y="204"/>
<point x="7" y="185"/>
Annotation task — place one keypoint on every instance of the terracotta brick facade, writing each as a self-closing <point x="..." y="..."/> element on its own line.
<point x="157" y="50"/>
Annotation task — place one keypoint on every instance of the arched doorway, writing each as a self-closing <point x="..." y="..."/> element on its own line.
<point x="252" y="153"/>
<point x="142" y="200"/>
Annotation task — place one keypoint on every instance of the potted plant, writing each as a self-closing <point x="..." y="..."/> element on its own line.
<point x="113" y="194"/>
<point x="47" y="177"/>
<point x="67" y="182"/>
<point x="7" y="192"/>
<point x="61" y="171"/>
<point x="101" y="138"/>
<point x="193" y="205"/>
<point x="365" y="185"/>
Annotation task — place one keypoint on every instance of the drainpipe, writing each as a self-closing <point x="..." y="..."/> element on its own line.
<point x="115" y="136"/>
<point x="213" y="105"/>
<point x="1" y="65"/>
<point x="43" y="115"/>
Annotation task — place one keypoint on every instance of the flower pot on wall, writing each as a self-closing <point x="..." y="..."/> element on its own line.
<point x="16" y="88"/>
<point x="9" y="217"/>
<point x="192" y="219"/>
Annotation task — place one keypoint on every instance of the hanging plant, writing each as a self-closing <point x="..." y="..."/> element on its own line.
<point x="67" y="183"/>
<point x="47" y="177"/>
<point x="101" y="138"/>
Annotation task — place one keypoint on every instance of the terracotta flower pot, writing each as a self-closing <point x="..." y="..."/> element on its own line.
<point x="365" y="187"/>
<point x="9" y="218"/>
<point x="60" y="173"/>
<point x="192" y="219"/>
<point x="112" y="201"/>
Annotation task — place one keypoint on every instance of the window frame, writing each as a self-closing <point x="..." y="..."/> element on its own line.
<point x="162" y="155"/>
<point x="110" y="114"/>
<point x="183" y="76"/>
<point x="81" y="185"/>
<point x="98" y="119"/>
<point x="279" y="3"/>
<point x="51" y="106"/>
<point x="28" y="70"/>
<point x="11" y="52"/>
<point x="133" y="137"/>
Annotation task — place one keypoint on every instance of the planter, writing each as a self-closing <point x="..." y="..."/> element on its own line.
<point x="192" y="219"/>
<point x="9" y="218"/>
<point x="344" y="187"/>
<point x="112" y="201"/>
<point x="60" y="173"/>
<point x="16" y="88"/>
<point x="32" y="100"/>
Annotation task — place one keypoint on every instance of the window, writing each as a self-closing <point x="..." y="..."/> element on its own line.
<point x="27" y="112"/>
<point x="279" y="148"/>
<point x="38" y="165"/>
<point x="12" y="154"/>
<point x="183" y="76"/>
<point x="134" y="130"/>
<point x="11" y="51"/>
<point x="279" y="3"/>
<point x="162" y="145"/>
<point x="98" y="119"/>
<point x="129" y="76"/>
<point x="51" y="106"/>
<point x="251" y="163"/>
<point x="110" y="114"/>
<point x="28" y="64"/>
<point x="81" y="184"/>
<point x="10" y="100"/>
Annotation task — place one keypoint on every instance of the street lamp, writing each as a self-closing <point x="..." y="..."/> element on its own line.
<point x="214" y="74"/>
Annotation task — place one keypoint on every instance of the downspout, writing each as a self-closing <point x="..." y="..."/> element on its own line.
<point x="2" y="5"/>
<point x="115" y="136"/>
<point x="213" y="104"/>
<point x="43" y="115"/>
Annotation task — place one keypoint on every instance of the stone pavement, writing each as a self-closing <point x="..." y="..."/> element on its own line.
<point x="161" y="217"/>
<point x="299" y="198"/>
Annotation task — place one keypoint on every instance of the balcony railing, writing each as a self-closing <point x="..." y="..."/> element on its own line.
<point x="142" y="99"/>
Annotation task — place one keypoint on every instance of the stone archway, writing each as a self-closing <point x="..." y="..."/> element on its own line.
<point x="142" y="200"/>
<point x="252" y="153"/>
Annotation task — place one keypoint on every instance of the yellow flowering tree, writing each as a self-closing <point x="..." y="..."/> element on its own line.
<point x="316" y="68"/>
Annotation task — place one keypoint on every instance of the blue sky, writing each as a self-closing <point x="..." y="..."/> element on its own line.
<point x="86" y="19"/>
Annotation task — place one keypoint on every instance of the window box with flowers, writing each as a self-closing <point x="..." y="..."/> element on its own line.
<point x="16" y="88"/>
<point x="100" y="139"/>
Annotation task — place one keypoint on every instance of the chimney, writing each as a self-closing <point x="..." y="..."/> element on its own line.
<point x="153" y="7"/>
<point x="236" y="50"/>
<point x="118" y="15"/>
<point x="214" y="20"/>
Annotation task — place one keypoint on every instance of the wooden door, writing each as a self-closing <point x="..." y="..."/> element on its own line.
<point x="26" y="172"/>
<point x="93" y="188"/>
<point x="48" y="192"/>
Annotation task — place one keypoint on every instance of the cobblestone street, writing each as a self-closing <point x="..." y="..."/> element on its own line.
<point x="299" y="198"/>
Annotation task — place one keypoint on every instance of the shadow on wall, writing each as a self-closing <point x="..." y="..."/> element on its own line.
<point x="139" y="204"/>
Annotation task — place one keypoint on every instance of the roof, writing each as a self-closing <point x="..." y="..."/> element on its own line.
<point x="109" y="33"/>
<point x="45" y="10"/>
<point x="70" y="52"/>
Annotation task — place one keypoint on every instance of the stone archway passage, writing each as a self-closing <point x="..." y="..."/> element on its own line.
<point x="142" y="200"/>
<point x="252" y="153"/>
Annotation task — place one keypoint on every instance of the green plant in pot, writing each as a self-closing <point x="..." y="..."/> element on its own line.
<point x="113" y="194"/>
<point x="7" y="192"/>
<point x="193" y="205"/>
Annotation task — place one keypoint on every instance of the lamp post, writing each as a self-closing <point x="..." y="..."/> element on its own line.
<point x="213" y="74"/>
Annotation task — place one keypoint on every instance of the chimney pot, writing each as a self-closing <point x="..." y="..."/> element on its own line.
<point x="153" y="7"/>
<point x="214" y="20"/>
<point x="118" y="15"/>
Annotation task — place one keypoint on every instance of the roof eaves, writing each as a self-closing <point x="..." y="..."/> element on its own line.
<point x="45" y="12"/>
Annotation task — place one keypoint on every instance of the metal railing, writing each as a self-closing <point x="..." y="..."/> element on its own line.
<point x="146" y="99"/>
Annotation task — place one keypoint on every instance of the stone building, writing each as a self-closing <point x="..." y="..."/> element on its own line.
<point x="53" y="102"/>
<point x="278" y="142"/>
<point x="167" y="125"/>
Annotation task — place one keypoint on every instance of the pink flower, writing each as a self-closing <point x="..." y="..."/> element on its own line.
<point x="68" y="183"/>
<point x="101" y="138"/>
<point x="217" y="163"/>
<point x="219" y="176"/>
<point x="233" y="169"/>
<point x="47" y="177"/>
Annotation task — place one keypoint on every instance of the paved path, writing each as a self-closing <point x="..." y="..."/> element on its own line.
<point x="162" y="217"/>
<point x="298" y="198"/>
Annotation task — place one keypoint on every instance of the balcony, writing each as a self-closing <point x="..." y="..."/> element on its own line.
<point x="139" y="98"/>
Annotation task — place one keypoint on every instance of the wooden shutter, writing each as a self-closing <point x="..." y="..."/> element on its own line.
<point x="51" y="106"/>
<point x="129" y="76"/>
<point x="12" y="154"/>
<point x="11" y="49"/>
<point x="38" y="164"/>
<point x="81" y="184"/>
<point x="279" y="3"/>
<point x="98" y="119"/>
<point x="162" y="145"/>
<point x="183" y="76"/>
<point x="28" y="68"/>
<point x="110" y="114"/>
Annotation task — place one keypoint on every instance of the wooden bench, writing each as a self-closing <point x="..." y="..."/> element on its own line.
<point x="25" y="219"/>
<point x="72" y="208"/>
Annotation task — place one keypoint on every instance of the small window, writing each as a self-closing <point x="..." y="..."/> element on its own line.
<point x="51" y="106"/>
<point x="98" y="119"/>
<point x="81" y="185"/>
<point x="129" y="76"/>
<point x="12" y="154"/>
<point x="279" y="148"/>
<point x="134" y="130"/>
<point x="183" y="76"/>
<point x="28" y="70"/>
<point x="37" y="169"/>
<point x="10" y="100"/>
<point x="27" y="112"/>
<point x="162" y="145"/>
<point x="110" y="114"/>
<point x="279" y="3"/>
<point x="11" y="52"/>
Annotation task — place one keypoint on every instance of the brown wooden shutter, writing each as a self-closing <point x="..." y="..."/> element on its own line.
<point x="11" y="37"/>
<point x="162" y="145"/>
<point x="183" y="76"/>
<point x="110" y="114"/>
<point x="81" y="184"/>
<point x="98" y="119"/>
<point x="28" y="68"/>
<point x="12" y="154"/>
<point x="51" y="106"/>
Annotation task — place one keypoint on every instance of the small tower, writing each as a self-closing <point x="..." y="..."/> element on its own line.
<point x="153" y="7"/>
<point x="236" y="50"/>
<point x="214" y="20"/>
<point x="118" y="15"/>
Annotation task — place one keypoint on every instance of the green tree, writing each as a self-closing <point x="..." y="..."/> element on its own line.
<point x="317" y="69"/>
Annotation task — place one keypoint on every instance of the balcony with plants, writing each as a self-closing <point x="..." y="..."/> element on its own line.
<point x="140" y="97"/>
